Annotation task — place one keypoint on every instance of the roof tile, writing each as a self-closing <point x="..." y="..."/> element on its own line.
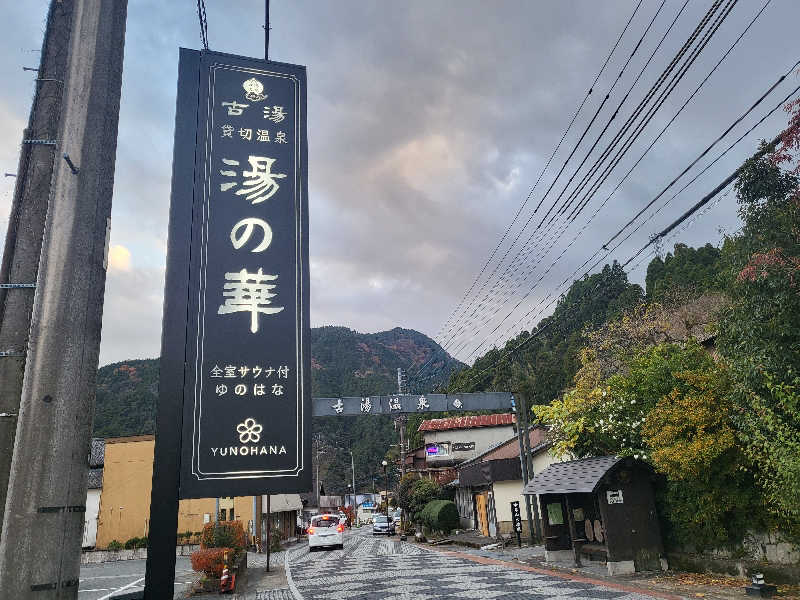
<point x="468" y="422"/>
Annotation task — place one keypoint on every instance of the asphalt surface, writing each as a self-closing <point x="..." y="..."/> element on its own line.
<point x="381" y="568"/>
<point x="105" y="580"/>
<point x="371" y="568"/>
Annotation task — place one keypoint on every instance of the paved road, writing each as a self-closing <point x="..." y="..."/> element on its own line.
<point x="107" y="579"/>
<point x="386" y="569"/>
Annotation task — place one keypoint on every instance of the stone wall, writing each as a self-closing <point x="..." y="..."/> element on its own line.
<point x="100" y="556"/>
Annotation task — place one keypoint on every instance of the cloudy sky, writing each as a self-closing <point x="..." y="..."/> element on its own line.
<point x="429" y="123"/>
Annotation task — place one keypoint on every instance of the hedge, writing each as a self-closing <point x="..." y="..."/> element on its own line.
<point x="210" y="560"/>
<point x="135" y="542"/>
<point x="440" y="515"/>
<point x="225" y="534"/>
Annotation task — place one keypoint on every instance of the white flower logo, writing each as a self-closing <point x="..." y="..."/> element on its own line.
<point x="249" y="431"/>
<point x="254" y="89"/>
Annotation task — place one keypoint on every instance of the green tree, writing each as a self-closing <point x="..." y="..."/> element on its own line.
<point x="695" y="269"/>
<point x="415" y="493"/>
<point x="759" y="333"/>
<point x="552" y="354"/>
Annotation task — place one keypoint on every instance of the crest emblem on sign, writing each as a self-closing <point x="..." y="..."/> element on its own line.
<point x="249" y="431"/>
<point x="254" y="90"/>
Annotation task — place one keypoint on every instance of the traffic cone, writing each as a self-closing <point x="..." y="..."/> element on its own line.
<point x="225" y="580"/>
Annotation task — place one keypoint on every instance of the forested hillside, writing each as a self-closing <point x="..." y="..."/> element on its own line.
<point x="700" y="376"/>
<point x="344" y="363"/>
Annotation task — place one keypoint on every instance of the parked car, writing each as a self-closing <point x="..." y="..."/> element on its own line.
<point x="325" y="531"/>
<point x="383" y="524"/>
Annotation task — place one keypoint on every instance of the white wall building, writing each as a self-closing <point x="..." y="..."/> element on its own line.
<point x="94" y="489"/>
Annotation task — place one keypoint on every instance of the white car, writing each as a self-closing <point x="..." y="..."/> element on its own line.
<point x="325" y="531"/>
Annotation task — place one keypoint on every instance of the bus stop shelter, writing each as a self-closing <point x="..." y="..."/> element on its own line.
<point x="600" y="509"/>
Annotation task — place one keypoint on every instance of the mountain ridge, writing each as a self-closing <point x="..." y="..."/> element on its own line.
<point x="344" y="362"/>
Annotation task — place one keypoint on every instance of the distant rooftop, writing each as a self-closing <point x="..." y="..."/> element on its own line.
<point x="468" y="422"/>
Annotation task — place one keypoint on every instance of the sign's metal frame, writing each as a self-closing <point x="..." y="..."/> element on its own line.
<point x="175" y="354"/>
<point x="400" y="404"/>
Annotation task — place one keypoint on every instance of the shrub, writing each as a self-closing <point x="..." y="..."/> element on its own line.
<point x="210" y="561"/>
<point x="225" y="534"/>
<point x="135" y="542"/>
<point x="440" y="515"/>
<point x="114" y="545"/>
<point x="275" y="540"/>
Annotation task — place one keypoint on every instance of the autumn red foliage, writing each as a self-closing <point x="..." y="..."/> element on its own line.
<point x="762" y="263"/>
<point x="210" y="560"/>
<point x="790" y="142"/>
<point x="225" y="534"/>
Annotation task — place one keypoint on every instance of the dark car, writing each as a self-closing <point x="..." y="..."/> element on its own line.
<point x="382" y="524"/>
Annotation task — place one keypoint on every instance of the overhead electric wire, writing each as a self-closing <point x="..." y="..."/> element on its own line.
<point x="558" y="146"/>
<point x="534" y="334"/>
<point x="698" y="29"/>
<point x="652" y="143"/>
<point x="597" y="112"/>
<point x="688" y="213"/>
<point x="525" y="251"/>
<point x="605" y="246"/>
<point x="639" y="129"/>
<point x="201" y="15"/>
<point x="552" y="155"/>
<point x="508" y="353"/>
<point x="695" y="161"/>
<point x="644" y="102"/>
<point x="680" y="110"/>
<point x="676" y="223"/>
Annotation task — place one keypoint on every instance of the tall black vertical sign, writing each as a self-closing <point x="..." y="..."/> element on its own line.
<point x="245" y="396"/>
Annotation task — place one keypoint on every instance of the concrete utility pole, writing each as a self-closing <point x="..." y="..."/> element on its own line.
<point x="524" y="455"/>
<point x="26" y="227"/>
<point x="45" y="504"/>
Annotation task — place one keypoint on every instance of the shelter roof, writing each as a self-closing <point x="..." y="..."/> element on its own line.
<point x="575" y="476"/>
<point x="468" y="422"/>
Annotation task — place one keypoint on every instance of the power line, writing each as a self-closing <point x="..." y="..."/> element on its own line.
<point x="605" y="246"/>
<point x="639" y="129"/>
<point x="619" y="184"/>
<point x="525" y="252"/>
<point x="201" y="15"/>
<point x="680" y="110"/>
<point x="672" y="226"/>
<point x="566" y="162"/>
<point x="643" y="103"/>
<point x="698" y="29"/>
<point x="706" y="151"/>
<point x="530" y="193"/>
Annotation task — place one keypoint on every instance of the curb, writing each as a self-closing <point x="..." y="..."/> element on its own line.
<point x="569" y="577"/>
<point x="292" y="587"/>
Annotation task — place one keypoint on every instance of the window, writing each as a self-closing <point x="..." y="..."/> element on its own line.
<point x="222" y="514"/>
<point x="324" y="522"/>
<point x="554" y="514"/>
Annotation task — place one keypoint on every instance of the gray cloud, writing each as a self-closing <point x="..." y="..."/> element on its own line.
<point x="428" y="124"/>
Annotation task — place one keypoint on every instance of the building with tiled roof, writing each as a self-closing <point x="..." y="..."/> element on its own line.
<point x="467" y="422"/>
<point x="453" y="440"/>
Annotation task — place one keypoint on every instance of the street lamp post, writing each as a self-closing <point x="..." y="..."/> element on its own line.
<point x="384" y="464"/>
